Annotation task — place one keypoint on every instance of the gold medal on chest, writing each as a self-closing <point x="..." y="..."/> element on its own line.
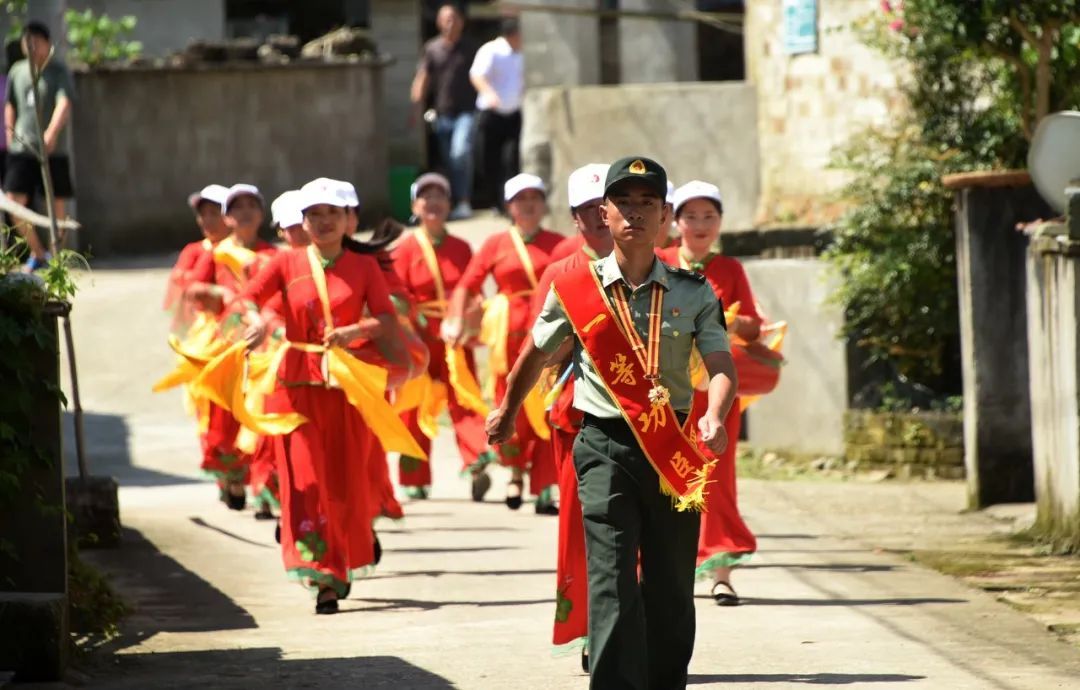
<point x="648" y="355"/>
<point x="659" y="395"/>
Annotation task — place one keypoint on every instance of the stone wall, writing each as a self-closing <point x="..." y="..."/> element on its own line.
<point x="1053" y="293"/>
<point x="146" y="138"/>
<point x="810" y="104"/>
<point x="804" y="415"/>
<point x="696" y="130"/>
<point x="656" y="50"/>
<point x="560" y="49"/>
<point x="927" y="445"/>
<point x="395" y="26"/>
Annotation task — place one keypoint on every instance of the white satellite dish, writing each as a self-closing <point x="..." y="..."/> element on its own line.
<point x="1054" y="157"/>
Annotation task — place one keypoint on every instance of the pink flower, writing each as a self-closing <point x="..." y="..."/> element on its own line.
<point x="886" y="6"/>
<point x="896" y="24"/>
<point x="306" y="526"/>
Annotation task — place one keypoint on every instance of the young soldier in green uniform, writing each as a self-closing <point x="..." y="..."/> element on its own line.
<point x="641" y="477"/>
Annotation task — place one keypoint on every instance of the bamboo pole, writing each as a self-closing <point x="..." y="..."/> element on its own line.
<point x="54" y="248"/>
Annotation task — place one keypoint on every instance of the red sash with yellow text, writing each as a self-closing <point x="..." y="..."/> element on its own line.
<point x="673" y="453"/>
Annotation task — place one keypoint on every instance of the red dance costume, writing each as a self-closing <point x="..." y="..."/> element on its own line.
<point x="387" y="504"/>
<point x="221" y="457"/>
<point x="725" y="539"/>
<point x="453" y="255"/>
<point x="572" y="585"/>
<point x="327" y="486"/>
<point x="499" y="259"/>
<point x="566" y="248"/>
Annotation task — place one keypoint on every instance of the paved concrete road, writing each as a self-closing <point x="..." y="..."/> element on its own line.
<point x="464" y="597"/>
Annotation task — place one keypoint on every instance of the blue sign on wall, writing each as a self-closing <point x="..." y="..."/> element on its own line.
<point x="800" y="26"/>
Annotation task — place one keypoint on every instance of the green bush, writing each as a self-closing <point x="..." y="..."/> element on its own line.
<point x="95" y="609"/>
<point x="979" y="78"/>
<point x="99" y="39"/>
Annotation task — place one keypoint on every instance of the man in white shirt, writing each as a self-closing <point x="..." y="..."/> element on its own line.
<point x="498" y="73"/>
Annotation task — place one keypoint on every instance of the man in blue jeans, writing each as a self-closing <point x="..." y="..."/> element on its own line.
<point x="442" y="80"/>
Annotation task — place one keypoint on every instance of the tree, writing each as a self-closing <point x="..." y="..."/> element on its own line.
<point x="981" y="75"/>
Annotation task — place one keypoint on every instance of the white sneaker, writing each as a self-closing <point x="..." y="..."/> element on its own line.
<point x="462" y="211"/>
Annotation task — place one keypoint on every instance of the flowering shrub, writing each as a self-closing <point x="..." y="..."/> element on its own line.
<point x="982" y="72"/>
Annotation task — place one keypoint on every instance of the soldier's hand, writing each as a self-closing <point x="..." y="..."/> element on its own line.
<point x="713" y="433"/>
<point x="499" y="426"/>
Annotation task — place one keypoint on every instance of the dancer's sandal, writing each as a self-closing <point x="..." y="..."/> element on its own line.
<point x="514" y="489"/>
<point x="264" y="512"/>
<point x="235" y="501"/>
<point x="547" y="508"/>
<point x="724" y="594"/>
<point x="481" y="483"/>
<point x="327" y="602"/>
<point x="585" y="660"/>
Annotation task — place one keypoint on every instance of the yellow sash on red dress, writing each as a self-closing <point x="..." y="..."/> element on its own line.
<point x="495" y="331"/>
<point x="495" y="326"/>
<point x="239" y="383"/>
<point x="236" y="258"/>
<point x="673" y="453"/>
<point x="461" y="378"/>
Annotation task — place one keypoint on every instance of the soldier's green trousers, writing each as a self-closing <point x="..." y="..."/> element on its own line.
<point x="641" y="633"/>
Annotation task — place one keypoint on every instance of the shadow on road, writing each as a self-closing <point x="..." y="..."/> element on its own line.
<point x="199" y="522"/>
<point x="914" y="601"/>
<point x="420" y="605"/>
<point x="135" y="263"/>
<point x="462" y="573"/>
<point x="451" y="549"/>
<point x="108" y="453"/>
<point x="479" y="528"/>
<point x="830" y="567"/>
<point x="262" y="668"/>
<point x="164" y="595"/>
<point x="803" y="678"/>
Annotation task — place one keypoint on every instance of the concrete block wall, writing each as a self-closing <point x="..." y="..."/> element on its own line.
<point x="813" y="103"/>
<point x="1053" y="294"/>
<point x="805" y="414"/>
<point x="560" y="49"/>
<point x="652" y="50"/>
<point x="395" y="27"/>
<point x="696" y="130"/>
<point x="146" y="138"/>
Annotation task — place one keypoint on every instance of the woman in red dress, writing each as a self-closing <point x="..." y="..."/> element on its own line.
<point x="216" y="280"/>
<point x="328" y="290"/>
<point x="429" y="263"/>
<point x="287" y="217"/>
<point x="515" y="258"/>
<point x="206" y="205"/>
<point x="725" y="540"/>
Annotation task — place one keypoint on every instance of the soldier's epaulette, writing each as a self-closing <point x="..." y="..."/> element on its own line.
<point x="699" y="277"/>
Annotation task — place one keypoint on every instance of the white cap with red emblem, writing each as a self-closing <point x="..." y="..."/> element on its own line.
<point x="587" y="183"/>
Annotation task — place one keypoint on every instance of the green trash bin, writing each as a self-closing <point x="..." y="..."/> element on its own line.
<point x="401" y="178"/>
